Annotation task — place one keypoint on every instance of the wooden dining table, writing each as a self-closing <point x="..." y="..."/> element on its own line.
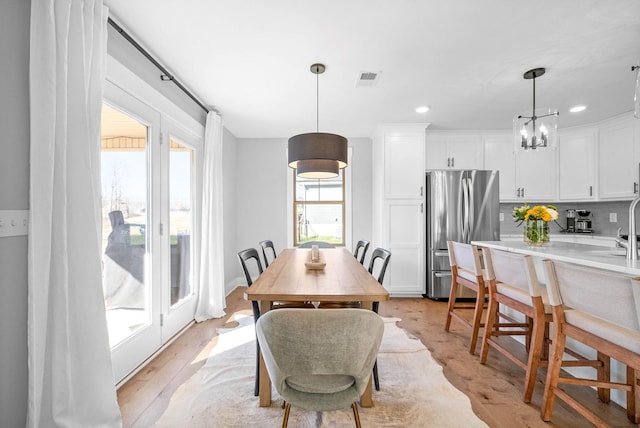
<point x="343" y="279"/>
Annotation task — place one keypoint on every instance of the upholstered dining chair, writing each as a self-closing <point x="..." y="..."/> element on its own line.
<point x="361" y="245"/>
<point x="267" y="246"/>
<point x="320" y="360"/>
<point x="601" y="310"/>
<point x="466" y="271"/>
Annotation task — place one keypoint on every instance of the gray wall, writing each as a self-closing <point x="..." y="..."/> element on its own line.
<point x="231" y="267"/>
<point x="14" y="194"/>
<point x="261" y="177"/>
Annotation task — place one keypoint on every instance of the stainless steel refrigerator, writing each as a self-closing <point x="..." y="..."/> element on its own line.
<point x="462" y="206"/>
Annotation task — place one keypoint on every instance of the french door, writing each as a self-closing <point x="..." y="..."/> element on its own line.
<point x="148" y="184"/>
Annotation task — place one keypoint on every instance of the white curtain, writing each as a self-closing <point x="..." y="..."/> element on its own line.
<point x="71" y="380"/>
<point x="211" y="301"/>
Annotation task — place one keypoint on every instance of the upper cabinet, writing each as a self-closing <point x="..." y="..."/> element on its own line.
<point x="499" y="155"/>
<point x="618" y="157"/>
<point x="577" y="165"/>
<point x="536" y="177"/>
<point x="403" y="164"/>
<point x="524" y="175"/>
<point x="453" y="150"/>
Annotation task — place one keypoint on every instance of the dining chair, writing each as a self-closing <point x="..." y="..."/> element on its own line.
<point x="361" y="245"/>
<point x="320" y="360"/>
<point x="601" y="310"/>
<point x="267" y="245"/>
<point x="466" y="271"/>
<point x="246" y="256"/>
<point x="380" y="259"/>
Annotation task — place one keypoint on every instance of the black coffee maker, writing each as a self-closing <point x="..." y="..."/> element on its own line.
<point x="583" y="223"/>
<point x="571" y="220"/>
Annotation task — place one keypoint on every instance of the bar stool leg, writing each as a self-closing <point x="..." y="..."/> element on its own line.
<point x="452" y="302"/>
<point x="604" y="375"/>
<point x="633" y="396"/>
<point x="477" y="315"/>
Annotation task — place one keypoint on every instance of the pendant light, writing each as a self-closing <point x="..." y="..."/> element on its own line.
<point x="636" y="94"/>
<point x="539" y="130"/>
<point x="317" y="154"/>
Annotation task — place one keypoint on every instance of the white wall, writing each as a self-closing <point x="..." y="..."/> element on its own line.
<point x="14" y="194"/>
<point x="261" y="177"/>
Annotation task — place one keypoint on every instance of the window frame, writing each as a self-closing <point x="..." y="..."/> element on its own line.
<point x="342" y="203"/>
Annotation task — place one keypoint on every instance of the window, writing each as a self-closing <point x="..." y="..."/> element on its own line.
<point x="319" y="209"/>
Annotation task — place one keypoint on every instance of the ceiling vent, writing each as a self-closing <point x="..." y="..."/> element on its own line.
<point x="367" y="79"/>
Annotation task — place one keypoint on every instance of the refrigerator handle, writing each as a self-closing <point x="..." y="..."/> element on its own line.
<point x="465" y="210"/>
<point x="471" y="221"/>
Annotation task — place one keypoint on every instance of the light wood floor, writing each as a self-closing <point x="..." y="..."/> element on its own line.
<point x="494" y="389"/>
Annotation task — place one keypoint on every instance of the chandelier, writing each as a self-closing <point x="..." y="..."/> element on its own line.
<point x="317" y="154"/>
<point x="540" y="128"/>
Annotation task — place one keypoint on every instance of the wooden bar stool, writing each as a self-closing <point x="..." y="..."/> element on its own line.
<point x="466" y="271"/>
<point x="600" y="309"/>
<point x="512" y="282"/>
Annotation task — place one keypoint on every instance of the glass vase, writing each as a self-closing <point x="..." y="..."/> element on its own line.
<point x="536" y="232"/>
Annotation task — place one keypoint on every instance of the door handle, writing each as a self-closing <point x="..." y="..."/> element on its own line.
<point x="448" y="162"/>
<point x="453" y="160"/>
<point x="523" y="192"/>
<point x="590" y="190"/>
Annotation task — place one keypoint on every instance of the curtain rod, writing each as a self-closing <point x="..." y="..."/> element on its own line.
<point x="166" y="75"/>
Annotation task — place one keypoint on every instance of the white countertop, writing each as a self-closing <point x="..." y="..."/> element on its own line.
<point x="601" y="257"/>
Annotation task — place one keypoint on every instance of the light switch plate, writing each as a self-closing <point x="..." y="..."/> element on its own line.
<point x="14" y="223"/>
<point x="613" y="217"/>
<point x="501" y="216"/>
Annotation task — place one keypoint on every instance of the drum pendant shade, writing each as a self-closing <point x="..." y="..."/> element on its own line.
<point x="317" y="154"/>
<point x="327" y="153"/>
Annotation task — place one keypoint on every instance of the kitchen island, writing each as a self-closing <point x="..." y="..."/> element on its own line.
<point x="600" y="257"/>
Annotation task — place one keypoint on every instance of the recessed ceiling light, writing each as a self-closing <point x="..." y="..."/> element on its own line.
<point x="422" y="109"/>
<point x="577" y="109"/>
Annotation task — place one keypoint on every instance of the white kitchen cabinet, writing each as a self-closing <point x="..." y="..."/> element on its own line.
<point x="398" y="204"/>
<point x="536" y="175"/>
<point x="450" y="150"/>
<point x="576" y="165"/>
<point x="524" y="175"/>
<point x="499" y="155"/>
<point x="618" y="156"/>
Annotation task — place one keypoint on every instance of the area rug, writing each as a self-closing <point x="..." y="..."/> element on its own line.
<point x="413" y="390"/>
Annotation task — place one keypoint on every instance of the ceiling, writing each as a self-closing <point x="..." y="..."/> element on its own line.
<point x="465" y="59"/>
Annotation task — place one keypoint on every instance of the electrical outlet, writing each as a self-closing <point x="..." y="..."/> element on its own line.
<point x="501" y="216"/>
<point x="613" y="217"/>
<point x="13" y="222"/>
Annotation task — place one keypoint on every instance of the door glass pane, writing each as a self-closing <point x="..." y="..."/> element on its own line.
<point x="180" y="219"/>
<point x="319" y="222"/>
<point x="124" y="223"/>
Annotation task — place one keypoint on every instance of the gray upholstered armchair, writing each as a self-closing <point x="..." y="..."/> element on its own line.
<point x="320" y="359"/>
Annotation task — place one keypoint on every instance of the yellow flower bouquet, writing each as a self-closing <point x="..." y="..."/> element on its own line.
<point x="536" y="222"/>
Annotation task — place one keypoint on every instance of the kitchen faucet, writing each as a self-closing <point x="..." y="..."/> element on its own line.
<point x="631" y="244"/>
